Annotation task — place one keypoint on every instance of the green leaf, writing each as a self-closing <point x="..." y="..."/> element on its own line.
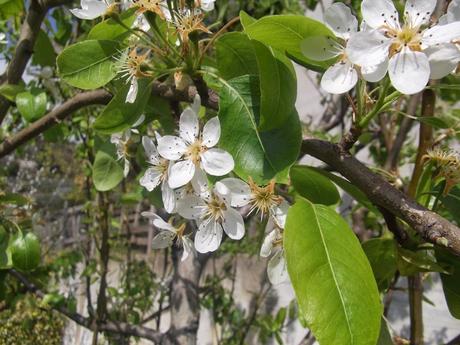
<point x="349" y="188"/>
<point x="25" y="252"/>
<point x="88" y="64"/>
<point x="286" y="32"/>
<point x="450" y="282"/>
<point x="119" y="115"/>
<point x="235" y="56"/>
<point x="10" y="91"/>
<point x="44" y="54"/>
<point x="452" y="203"/>
<point x="246" y="19"/>
<point x="9" y="8"/>
<point x="259" y="154"/>
<point x="278" y="87"/>
<point x="112" y="30"/>
<point x="31" y="104"/>
<point x="313" y="186"/>
<point x="410" y="262"/>
<point x="385" y="336"/>
<point x="4" y="239"/>
<point x="382" y="255"/>
<point x="332" y="279"/>
<point x="107" y="173"/>
<point x="13" y="199"/>
<point x="434" y="122"/>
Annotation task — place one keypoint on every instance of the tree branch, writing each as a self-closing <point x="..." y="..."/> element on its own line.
<point x="25" y="46"/>
<point x="81" y="100"/>
<point x="429" y="225"/>
<point x="105" y="326"/>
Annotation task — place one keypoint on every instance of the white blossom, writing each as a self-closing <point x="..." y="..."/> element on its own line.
<point x="192" y="149"/>
<point x="2" y="38"/>
<point x="407" y="45"/>
<point x="90" y="9"/>
<point x="273" y="245"/>
<point x="157" y="174"/>
<point x="214" y="216"/>
<point x="121" y="142"/>
<point x="168" y="234"/>
<point x="207" y="5"/>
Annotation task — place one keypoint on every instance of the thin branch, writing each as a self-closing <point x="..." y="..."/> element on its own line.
<point x="429" y="225"/>
<point x="105" y="326"/>
<point x="81" y="100"/>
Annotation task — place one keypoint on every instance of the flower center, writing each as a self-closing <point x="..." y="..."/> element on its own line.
<point x="407" y="36"/>
<point x="162" y="169"/>
<point x="194" y="151"/>
<point x="263" y="199"/>
<point x="215" y="208"/>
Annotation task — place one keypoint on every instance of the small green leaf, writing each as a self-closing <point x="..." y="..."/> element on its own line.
<point x="88" y="64"/>
<point x="451" y="281"/>
<point x="10" y="91"/>
<point x="331" y="276"/>
<point x="119" y="115"/>
<point x="25" y="252"/>
<point x="382" y="255"/>
<point x="32" y="104"/>
<point x="259" y="154"/>
<point x="313" y="186"/>
<point x="246" y="19"/>
<point x="286" y="33"/>
<point x="112" y="30"/>
<point x="44" y="54"/>
<point x="107" y="173"/>
<point x="410" y="262"/>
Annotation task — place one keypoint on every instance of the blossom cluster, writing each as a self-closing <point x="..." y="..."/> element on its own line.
<point x="180" y="165"/>
<point x="412" y="51"/>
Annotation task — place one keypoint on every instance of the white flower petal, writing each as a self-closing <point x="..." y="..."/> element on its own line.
<point x="168" y="196"/>
<point x="208" y="237"/>
<point x="375" y="73"/>
<point x="341" y="21"/>
<point x="207" y="5"/>
<point x="235" y="191"/>
<point x="189" y="126"/>
<point x="217" y="162"/>
<point x="139" y="122"/>
<point x="409" y="71"/>
<point x="158" y="222"/>
<point x="126" y="167"/>
<point x="339" y="78"/>
<point x="233" y="224"/>
<point x="181" y="173"/>
<point x="280" y="213"/>
<point x="132" y="92"/>
<point x="211" y="132"/>
<point x="90" y="9"/>
<point x="377" y="13"/>
<point x="321" y="48"/>
<point x="171" y="147"/>
<point x="190" y="207"/>
<point x="151" y="179"/>
<point x="150" y="150"/>
<point x="418" y="12"/>
<point x="368" y="48"/>
<point x="453" y="13"/>
<point x="276" y="269"/>
<point x="267" y="245"/>
<point x="200" y="184"/>
<point x="163" y="240"/>
<point x="188" y="248"/>
<point x="443" y="59"/>
<point x="441" y="34"/>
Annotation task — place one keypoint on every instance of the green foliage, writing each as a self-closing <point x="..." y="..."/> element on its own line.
<point x="32" y="104"/>
<point x="313" y="186"/>
<point x="258" y="154"/>
<point x="450" y="281"/>
<point x="44" y="54"/>
<point x="25" y="252"/>
<point x="88" y="64"/>
<point x="119" y="115"/>
<point x="325" y="261"/>
<point x="27" y="324"/>
<point x="112" y="29"/>
<point x="107" y="173"/>
<point x="382" y="255"/>
<point x="285" y="33"/>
